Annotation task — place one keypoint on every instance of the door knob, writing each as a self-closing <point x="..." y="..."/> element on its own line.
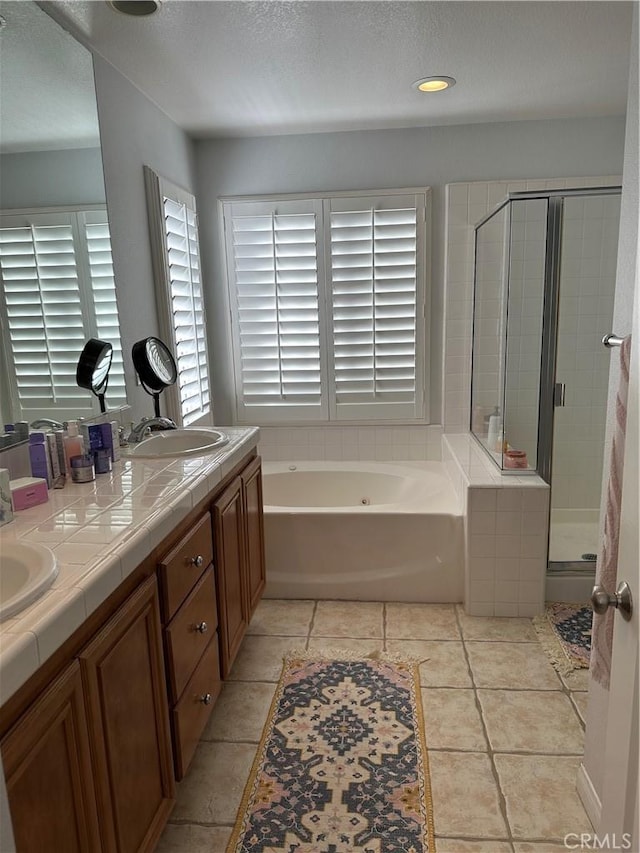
<point x="621" y="599"/>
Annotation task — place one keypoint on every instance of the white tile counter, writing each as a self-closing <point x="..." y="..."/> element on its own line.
<point x="100" y="532"/>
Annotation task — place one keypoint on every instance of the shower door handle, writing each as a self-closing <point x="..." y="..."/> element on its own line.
<point x="559" y="390"/>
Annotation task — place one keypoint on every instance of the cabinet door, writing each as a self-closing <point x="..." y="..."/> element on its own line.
<point x="229" y="547"/>
<point x="128" y="722"/>
<point x="254" y="526"/>
<point x="48" y="771"/>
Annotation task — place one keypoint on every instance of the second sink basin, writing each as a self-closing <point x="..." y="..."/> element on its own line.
<point x="26" y="571"/>
<point x="189" y="441"/>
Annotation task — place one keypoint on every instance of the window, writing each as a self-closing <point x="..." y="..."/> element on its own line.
<point x="58" y="290"/>
<point x="327" y="300"/>
<point x="176" y="253"/>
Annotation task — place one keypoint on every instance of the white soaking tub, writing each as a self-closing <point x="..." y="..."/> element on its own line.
<point x="383" y="531"/>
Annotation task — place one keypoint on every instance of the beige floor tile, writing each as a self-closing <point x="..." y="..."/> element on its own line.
<point x="531" y="721"/>
<point x="345" y="644"/>
<point x="452" y="720"/>
<point x="465" y="796"/>
<point x="540" y="847"/>
<point x="212" y="789"/>
<point x="581" y="701"/>
<point x="260" y="658"/>
<point x="510" y="630"/>
<point x="190" y="838"/>
<point x="460" y="845"/>
<point x="519" y="666"/>
<point x="443" y="662"/>
<point x="283" y="618"/>
<point x="576" y="680"/>
<point x="241" y="711"/>
<point x="422" y="622"/>
<point x="348" y="619"/>
<point x="541" y="796"/>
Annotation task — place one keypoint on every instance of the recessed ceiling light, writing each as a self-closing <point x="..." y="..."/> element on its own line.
<point x="136" y="8"/>
<point x="437" y="83"/>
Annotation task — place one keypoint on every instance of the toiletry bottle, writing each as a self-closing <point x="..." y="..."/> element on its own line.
<point x="39" y="457"/>
<point x="73" y="443"/>
<point x="495" y="427"/>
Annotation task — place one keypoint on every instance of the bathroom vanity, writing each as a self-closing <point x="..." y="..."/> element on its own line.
<point x="94" y="736"/>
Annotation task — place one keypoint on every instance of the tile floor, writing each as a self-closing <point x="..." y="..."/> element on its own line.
<point x="504" y="731"/>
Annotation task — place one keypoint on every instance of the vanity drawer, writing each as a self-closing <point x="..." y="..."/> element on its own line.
<point x="191" y="713"/>
<point x="182" y="566"/>
<point x="190" y="631"/>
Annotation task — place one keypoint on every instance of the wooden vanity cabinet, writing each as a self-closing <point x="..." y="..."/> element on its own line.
<point x="190" y="637"/>
<point x="49" y="776"/>
<point x="88" y="764"/>
<point x="128" y="724"/>
<point x="239" y="558"/>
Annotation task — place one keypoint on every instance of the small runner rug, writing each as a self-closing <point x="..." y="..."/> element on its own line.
<point x="565" y="633"/>
<point x="342" y="765"/>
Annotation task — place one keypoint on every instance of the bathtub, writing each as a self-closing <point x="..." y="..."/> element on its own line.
<point x="369" y="531"/>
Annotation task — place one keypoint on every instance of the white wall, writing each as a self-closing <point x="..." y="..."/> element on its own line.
<point x="135" y="133"/>
<point x="385" y="159"/>
<point x="51" y="178"/>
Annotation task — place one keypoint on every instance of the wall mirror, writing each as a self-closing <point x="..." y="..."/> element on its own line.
<point x="57" y="286"/>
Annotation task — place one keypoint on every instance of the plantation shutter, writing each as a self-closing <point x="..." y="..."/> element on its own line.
<point x="105" y="306"/>
<point x="274" y="269"/>
<point x="174" y="224"/>
<point x="48" y="310"/>
<point x="377" y="296"/>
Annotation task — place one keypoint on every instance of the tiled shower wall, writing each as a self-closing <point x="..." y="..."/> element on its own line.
<point x="587" y="290"/>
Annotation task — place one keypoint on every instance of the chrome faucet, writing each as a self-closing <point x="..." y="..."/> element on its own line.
<point x="146" y="425"/>
<point x="48" y="422"/>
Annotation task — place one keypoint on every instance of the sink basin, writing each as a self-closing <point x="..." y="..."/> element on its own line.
<point x="190" y="441"/>
<point x="26" y="571"/>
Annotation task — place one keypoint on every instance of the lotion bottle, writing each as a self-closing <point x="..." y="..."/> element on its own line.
<point x="73" y="443"/>
<point x="494" y="430"/>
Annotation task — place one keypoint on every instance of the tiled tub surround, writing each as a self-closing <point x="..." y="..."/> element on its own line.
<point x="399" y="443"/>
<point x="506" y="530"/>
<point x="100" y="532"/>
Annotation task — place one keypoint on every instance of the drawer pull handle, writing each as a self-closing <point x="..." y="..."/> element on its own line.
<point x="202" y="627"/>
<point x="197" y="561"/>
<point x="206" y="699"/>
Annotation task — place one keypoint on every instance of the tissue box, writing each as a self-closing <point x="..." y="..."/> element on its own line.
<point x="28" y="491"/>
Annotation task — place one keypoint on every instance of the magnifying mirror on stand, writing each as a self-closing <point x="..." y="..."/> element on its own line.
<point x="155" y="366"/>
<point x="93" y="368"/>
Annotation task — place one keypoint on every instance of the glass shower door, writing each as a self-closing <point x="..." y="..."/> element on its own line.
<point x="589" y="243"/>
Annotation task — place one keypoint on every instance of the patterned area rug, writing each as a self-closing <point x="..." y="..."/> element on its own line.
<point x="565" y="633"/>
<point x="342" y="766"/>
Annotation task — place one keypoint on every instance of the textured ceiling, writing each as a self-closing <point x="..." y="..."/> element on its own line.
<point x="47" y="96"/>
<point x="225" y="68"/>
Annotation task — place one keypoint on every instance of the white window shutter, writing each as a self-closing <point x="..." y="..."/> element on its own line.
<point x="174" y="230"/>
<point x="48" y="310"/>
<point x="273" y="264"/>
<point x="377" y="294"/>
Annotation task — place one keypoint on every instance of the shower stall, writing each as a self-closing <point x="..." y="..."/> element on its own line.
<point x="545" y="266"/>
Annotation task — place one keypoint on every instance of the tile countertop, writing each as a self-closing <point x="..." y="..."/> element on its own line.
<point x="100" y="532"/>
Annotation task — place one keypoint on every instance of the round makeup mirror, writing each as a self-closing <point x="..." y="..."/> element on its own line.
<point x="156" y="367"/>
<point x="93" y="368"/>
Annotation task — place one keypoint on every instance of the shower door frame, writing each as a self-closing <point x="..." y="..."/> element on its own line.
<point x="550" y="316"/>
